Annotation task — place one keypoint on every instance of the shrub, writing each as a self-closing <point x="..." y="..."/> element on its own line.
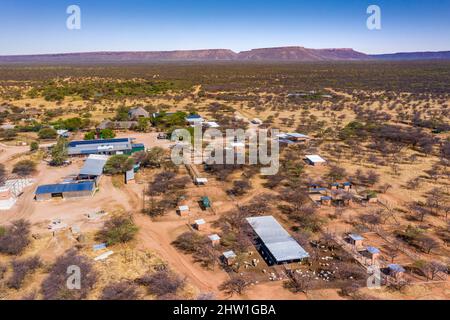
<point x="47" y="133"/>
<point x="9" y="134"/>
<point x="89" y="136"/>
<point x="124" y="290"/>
<point x="15" y="238"/>
<point x="162" y="283"/>
<point x="21" y="268"/>
<point x="107" y="134"/>
<point x="119" y="229"/>
<point x="189" y="242"/>
<point x="34" y="146"/>
<point x="54" y="287"/>
<point x="24" y="168"/>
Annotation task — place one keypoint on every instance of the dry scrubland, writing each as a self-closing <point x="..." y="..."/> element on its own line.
<point x="385" y="127"/>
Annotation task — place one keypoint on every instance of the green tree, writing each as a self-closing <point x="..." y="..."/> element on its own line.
<point x="59" y="152"/>
<point x="142" y="125"/>
<point x="119" y="229"/>
<point x="47" y="133"/>
<point x="89" y="135"/>
<point x="119" y="164"/>
<point x="107" y="134"/>
<point x="122" y="113"/>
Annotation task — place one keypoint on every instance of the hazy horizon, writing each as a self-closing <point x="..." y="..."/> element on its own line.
<point x="39" y="27"/>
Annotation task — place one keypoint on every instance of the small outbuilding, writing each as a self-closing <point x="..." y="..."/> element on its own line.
<point x="215" y="239"/>
<point x="229" y="257"/>
<point x="356" y="240"/>
<point x="183" y="211"/>
<point x="315" y="160"/>
<point x="373" y="253"/>
<point x="326" y="201"/>
<point x="396" y="271"/>
<point x="200" y="224"/>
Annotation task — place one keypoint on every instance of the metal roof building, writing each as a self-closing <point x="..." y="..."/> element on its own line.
<point x="315" y="159"/>
<point x="276" y="244"/>
<point x="65" y="190"/>
<point x="106" y="147"/>
<point x="93" y="166"/>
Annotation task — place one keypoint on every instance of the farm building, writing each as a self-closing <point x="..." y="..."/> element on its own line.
<point x="356" y="240"/>
<point x="373" y="253"/>
<point x="93" y="167"/>
<point x="396" y="271"/>
<point x="215" y="239"/>
<point x="137" y="113"/>
<point x="297" y="137"/>
<point x="105" y="147"/>
<point x="315" y="160"/>
<point x="200" y="224"/>
<point x="229" y="257"/>
<point x="274" y="242"/>
<point x="65" y="191"/>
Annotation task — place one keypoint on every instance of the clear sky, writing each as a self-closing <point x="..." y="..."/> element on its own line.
<point x="39" y="26"/>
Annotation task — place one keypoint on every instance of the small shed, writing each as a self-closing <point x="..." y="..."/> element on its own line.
<point x="334" y="186"/>
<point x="215" y="239"/>
<point x="298" y="137"/>
<point x="373" y="253"/>
<point x="200" y="224"/>
<point x="315" y="160"/>
<point x="205" y="203"/>
<point x="183" y="211"/>
<point x="229" y="257"/>
<point x="396" y="271"/>
<point x="356" y="240"/>
<point x="326" y="201"/>
<point x="201" y="181"/>
<point x="347" y="186"/>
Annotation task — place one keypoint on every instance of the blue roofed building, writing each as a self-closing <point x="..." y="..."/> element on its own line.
<point x="104" y="147"/>
<point x="65" y="190"/>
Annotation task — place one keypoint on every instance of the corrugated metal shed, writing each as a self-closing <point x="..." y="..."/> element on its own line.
<point x="99" y="146"/>
<point x="94" y="165"/>
<point x="277" y="240"/>
<point x="63" y="188"/>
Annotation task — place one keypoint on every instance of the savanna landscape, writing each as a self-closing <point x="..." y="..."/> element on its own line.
<point x="383" y="128"/>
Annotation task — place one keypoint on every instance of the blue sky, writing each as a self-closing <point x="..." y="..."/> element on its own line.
<point x="39" y="26"/>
